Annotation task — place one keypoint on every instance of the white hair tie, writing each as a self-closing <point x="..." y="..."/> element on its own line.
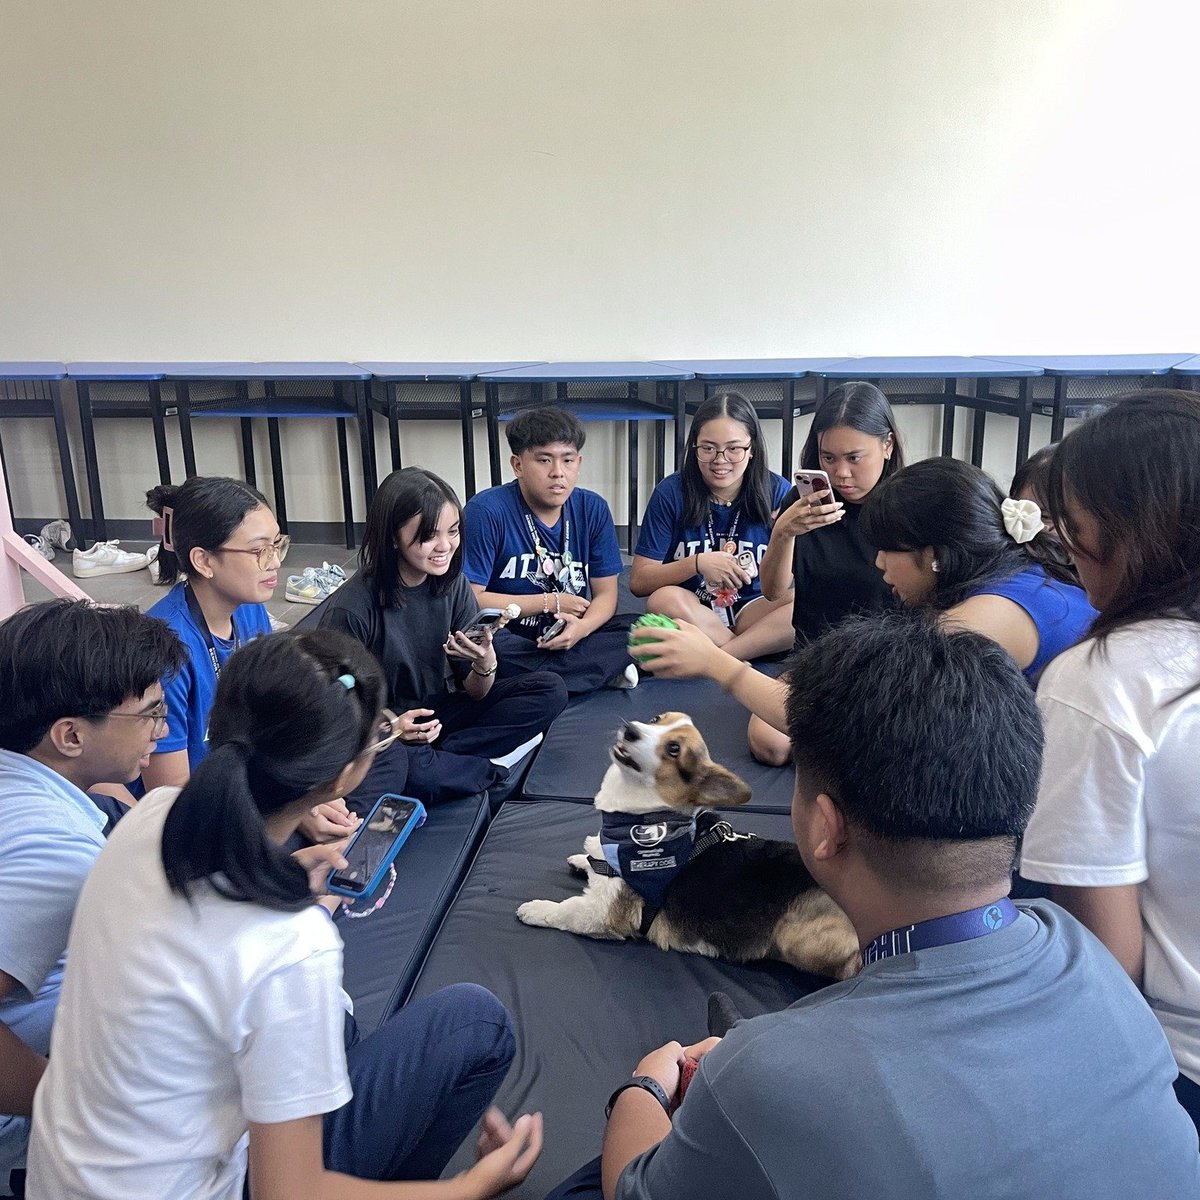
<point x="1022" y="520"/>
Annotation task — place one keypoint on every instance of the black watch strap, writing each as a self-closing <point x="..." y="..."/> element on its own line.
<point x="647" y="1084"/>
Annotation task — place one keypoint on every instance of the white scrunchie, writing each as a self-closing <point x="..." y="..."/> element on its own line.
<point x="1022" y="520"/>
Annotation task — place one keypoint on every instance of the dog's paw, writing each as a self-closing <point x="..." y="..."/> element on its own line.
<point x="592" y="847"/>
<point x="538" y="912"/>
<point x="578" y="862"/>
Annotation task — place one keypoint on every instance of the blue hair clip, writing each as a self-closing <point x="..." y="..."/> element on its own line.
<point x="347" y="681"/>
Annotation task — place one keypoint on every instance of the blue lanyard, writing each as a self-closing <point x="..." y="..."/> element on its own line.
<point x="202" y="626"/>
<point x="942" y="931"/>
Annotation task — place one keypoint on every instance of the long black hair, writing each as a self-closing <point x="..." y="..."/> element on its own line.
<point x="855" y="405"/>
<point x="204" y="512"/>
<point x="401" y="496"/>
<point x="954" y="508"/>
<point x="757" y="495"/>
<point x="1135" y="467"/>
<point x="284" y="722"/>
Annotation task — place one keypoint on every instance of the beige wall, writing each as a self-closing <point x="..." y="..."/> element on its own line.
<point x="554" y="179"/>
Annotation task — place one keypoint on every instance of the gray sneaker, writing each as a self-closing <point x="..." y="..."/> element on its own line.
<point x="41" y="545"/>
<point x="58" y="533"/>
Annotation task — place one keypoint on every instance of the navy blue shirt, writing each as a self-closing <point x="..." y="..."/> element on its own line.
<point x="664" y="538"/>
<point x="500" y="556"/>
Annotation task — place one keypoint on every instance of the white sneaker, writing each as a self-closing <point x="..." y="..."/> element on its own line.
<point x="39" y="543"/>
<point x="58" y="533"/>
<point x="513" y="757"/>
<point x="314" y="584"/>
<point x="626" y="679"/>
<point x="107" y="558"/>
<point x="154" y="566"/>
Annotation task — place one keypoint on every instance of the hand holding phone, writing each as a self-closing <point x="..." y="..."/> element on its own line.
<point x="816" y="506"/>
<point x="375" y="845"/>
<point x="552" y="631"/>
<point x="812" y="483"/>
<point x="485" y="619"/>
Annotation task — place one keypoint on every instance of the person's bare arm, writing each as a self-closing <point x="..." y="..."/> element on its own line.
<point x="21" y="1068"/>
<point x="169" y="769"/>
<point x="646" y="575"/>
<point x="1114" y="915"/>
<point x="998" y="618"/>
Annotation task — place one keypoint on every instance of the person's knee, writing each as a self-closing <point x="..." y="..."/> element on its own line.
<point x="669" y="602"/>
<point x="475" y="1007"/>
<point x="767" y="745"/>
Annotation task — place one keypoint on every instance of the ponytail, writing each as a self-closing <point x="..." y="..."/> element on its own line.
<point x="215" y="831"/>
<point x="292" y="710"/>
<point x="200" y="513"/>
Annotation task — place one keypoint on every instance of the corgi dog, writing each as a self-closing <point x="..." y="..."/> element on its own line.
<point x="666" y="869"/>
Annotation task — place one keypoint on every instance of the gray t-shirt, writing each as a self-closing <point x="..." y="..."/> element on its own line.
<point x="407" y="640"/>
<point x="1019" y="1065"/>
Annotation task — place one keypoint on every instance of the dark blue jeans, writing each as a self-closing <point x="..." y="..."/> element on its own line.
<point x="421" y="1081"/>
<point x="585" y="1184"/>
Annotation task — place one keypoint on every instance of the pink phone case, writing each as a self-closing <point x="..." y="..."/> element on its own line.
<point x="808" y="482"/>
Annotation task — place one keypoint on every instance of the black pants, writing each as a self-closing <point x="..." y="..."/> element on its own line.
<point x="473" y="731"/>
<point x="1189" y="1096"/>
<point x="588" y="665"/>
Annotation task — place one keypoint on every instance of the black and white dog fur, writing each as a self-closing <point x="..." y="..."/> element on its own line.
<point x="743" y="899"/>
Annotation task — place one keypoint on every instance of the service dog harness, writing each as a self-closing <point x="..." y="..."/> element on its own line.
<point x="647" y="850"/>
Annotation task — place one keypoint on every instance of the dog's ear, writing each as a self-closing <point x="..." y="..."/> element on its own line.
<point x="721" y="788"/>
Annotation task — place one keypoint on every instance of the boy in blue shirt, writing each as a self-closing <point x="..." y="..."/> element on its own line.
<point x="550" y="548"/>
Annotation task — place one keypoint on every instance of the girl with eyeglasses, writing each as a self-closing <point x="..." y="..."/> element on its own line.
<point x="203" y="1040"/>
<point x="701" y="519"/>
<point x="221" y="551"/>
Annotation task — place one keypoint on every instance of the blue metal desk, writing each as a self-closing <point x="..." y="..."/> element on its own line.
<point x="391" y="406"/>
<point x="714" y="372"/>
<point x="629" y="408"/>
<point x="34" y="389"/>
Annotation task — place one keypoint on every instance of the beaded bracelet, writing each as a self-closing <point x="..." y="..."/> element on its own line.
<point x="353" y="913"/>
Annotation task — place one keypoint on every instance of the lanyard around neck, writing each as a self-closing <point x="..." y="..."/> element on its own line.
<point x="545" y="563"/>
<point x="943" y="931"/>
<point x="202" y="625"/>
<point x="730" y="535"/>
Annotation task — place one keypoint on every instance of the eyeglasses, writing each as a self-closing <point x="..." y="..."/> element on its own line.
<point x="157" y="714"/>
<point x="276" y="549"/>
<point x="707" y="452"/>
<point x="386" y="732"/>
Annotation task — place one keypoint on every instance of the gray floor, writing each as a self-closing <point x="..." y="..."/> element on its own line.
<point x="135" y="586"/>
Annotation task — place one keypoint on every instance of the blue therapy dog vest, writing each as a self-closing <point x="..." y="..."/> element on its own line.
<point x="647" y="850"/>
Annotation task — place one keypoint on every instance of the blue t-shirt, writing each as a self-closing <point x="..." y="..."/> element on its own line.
<point x="499" y="554"/>
<point x="663" y="537"/>
<point x="189" y="695"/>
<point x="1060" y="612"/>
<point x="50" y="835"/>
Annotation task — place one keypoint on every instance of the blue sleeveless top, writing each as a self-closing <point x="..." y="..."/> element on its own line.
<point x="1060" y="611"/>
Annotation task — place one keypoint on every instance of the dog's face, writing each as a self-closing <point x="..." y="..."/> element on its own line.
<point x="667" y="756"/>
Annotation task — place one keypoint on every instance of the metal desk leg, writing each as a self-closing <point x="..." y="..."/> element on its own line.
<point x="1059" y="417"/>
<point x="979" y="426"/>
<point x="1024" y="418"/>
<point x="160" y="432"/>
<point x="277" y="472"/>
<point x="468" y="437"/>
<point x="789" y="427"/>
<point x="680" y="420"/>
<point x="183" y="406"/>
<point x="393" y="417"/>
<point x="74" y="516"/>
<point x="91" y="464"/>
<point x="491" y="408"/>
<point x="950" y="391"/>
<point x="631" y="528"/>
<point x="344" y="471"/>
<point x="366" y="437"/>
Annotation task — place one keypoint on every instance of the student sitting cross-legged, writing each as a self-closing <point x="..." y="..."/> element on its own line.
<point x="550" y="548"/>
<point x="203" y="1033"/>
<point x="411" y="607"/>
<point x="81" y="705"/>
<point x="985" y="1048"/>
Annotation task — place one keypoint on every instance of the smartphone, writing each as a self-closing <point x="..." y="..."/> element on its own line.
<point x="375" y="844"/>
<point x="552" y="631"/>
<point x="487" y="618"/>
<point x="808" y="482"/>
<point x="745" y="560"/>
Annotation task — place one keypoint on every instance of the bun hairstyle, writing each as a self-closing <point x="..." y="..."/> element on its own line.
<point x="284" y="723"/>
<point x="859" y="406"/>
<point x="200" y="513"/>
<point x="756" y="497"/>
<point x="405" y="494"/>
<point x="954" y="508"/>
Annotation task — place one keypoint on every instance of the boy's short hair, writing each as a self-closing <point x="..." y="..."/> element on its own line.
<point x="533" y="427"/>
<point x="928" y="740"/>
<point x="72" y="658"/>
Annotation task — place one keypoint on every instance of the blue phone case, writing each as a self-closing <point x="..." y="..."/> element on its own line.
<point x="415" y="819"/>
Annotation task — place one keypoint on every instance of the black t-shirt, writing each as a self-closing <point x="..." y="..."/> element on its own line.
<point x="406" y="640"/>
<point x="835" y="573"/>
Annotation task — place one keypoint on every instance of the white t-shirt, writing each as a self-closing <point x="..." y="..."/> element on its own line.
<point x="1119" y="801"/>
<point x="178" y="1024"/>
